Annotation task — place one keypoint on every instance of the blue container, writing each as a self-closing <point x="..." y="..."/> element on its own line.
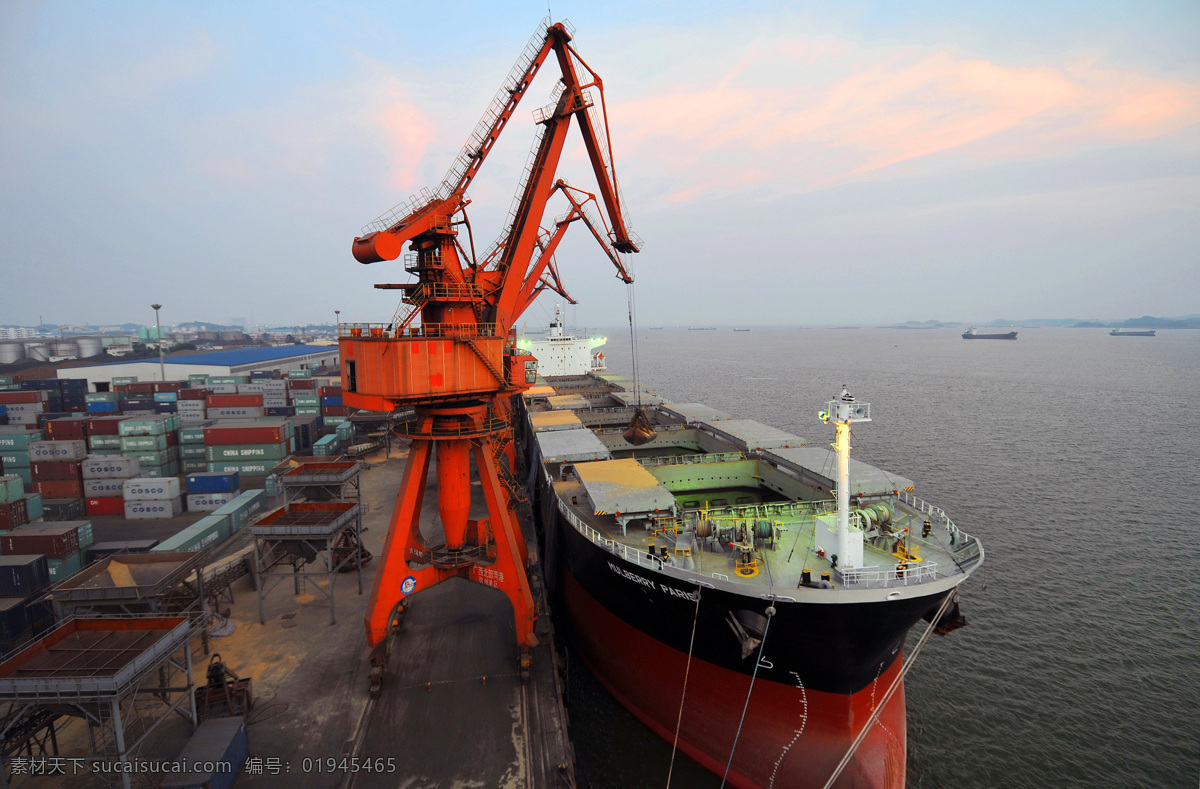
<point x="217" y="742"/>
<point x="165" y="397"/>
<point x="165" y="408"/>
<point x="22" y="575"/>
<point x="103" y="549"/>
<point x="103" y="408"/>
<point x="74" y="399"/>
<point x="137" y="405"/>
<point x="14" y="619"/>
<point x="213" y="482"/>
<point x="280" y="410"/>
<point x="331" y="400"/>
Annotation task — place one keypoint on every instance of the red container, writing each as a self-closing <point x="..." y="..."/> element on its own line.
<point x="56" y="542"/>
<point x="169" y="386"/>
<point x="235" y="401"/>
<point x="29" y="396"/>
<point x="260" y="433"/>
<point x="329" y="391"/>
<point x="335" y="410"/>
<point x="108" y="505"/>
<point x="104" y="425"/>
<point x="66" y="429"/>
<point x="302" y="383"/>
<point x="193" y="394"/>
<point x="55" y="471"/>
<point x="172" y="438"/>
<point x="14" y="514"/>
<point x="59" y="489"/>
<point x="140" y="387"/>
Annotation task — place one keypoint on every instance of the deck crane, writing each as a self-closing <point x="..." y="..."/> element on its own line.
<point x="459" y="368"/>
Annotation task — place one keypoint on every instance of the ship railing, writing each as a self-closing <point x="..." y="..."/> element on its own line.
<point x="375" y="331"/>
<point x="915" y="573"/>
<point x="775" y="510"/>
<point x="640" y="558"/>
<point x="683" y="460"/>
<point x="933" y="512"/>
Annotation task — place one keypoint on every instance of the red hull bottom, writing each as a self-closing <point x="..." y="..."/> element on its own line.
<point x="792" y="736"/>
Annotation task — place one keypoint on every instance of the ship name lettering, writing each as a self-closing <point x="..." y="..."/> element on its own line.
<point x="678" y="592"/>
<point x="631" y="576"/>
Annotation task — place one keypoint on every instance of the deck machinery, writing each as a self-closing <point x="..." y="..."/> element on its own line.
<point x="459" y="366"/>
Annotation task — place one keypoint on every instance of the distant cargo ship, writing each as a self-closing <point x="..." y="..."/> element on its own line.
<point x="973" y="334"/>
<point x="1131" y="333"/>
<point x="741" y="330"/>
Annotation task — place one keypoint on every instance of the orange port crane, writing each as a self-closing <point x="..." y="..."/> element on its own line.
<point x="459" y="368"/>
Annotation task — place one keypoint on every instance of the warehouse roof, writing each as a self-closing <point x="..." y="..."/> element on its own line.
<point x="237" y="357"/>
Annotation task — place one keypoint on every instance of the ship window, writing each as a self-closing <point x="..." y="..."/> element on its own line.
<point x="719" y="502"/>
<point x="351" y="377"/>
<point x="744" y="499"/>
<point x="691" y="504"/>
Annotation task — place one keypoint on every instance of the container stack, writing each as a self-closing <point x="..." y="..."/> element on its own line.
<point x="333" y="412"/>
<point x="245" y="508"/>
<point x="103" y="402"/>
<point x="152" y="498"/>
<point x="23" y="407"/>
<point x="103" y="435"/>
<point x="104" y="483"/>
<point x="207" y="531"/>
<point x="191" y="446"/>
<point x="209" y="491"/>
<point x="275" y="398"/>
<point x="14" y="451"/>
<point x="251" y="448"/>
<point x="63" y="545"/>
<point x="243" y="405"/>
<point x="153" y="440"/>
<point x="23" y="577"/>
<point x="14" y="509"/>
<point x="192" y="405"/>
<point x="56" y="468"/>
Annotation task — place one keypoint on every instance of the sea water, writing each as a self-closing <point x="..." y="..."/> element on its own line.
<point x="1075" y="458"/>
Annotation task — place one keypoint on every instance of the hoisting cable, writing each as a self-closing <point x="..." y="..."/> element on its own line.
<point x="633" y="343"/>
<point x="683" y="693"/>
<point x="883" y="702"/>
<point x="757" y="662"/>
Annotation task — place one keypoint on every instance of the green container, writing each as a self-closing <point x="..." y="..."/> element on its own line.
<point x="333" y="421"/>
<point x="207" y="531"/>
<point x="102" y="397"/>
<point x="104" y="442"/>
<point x="194" y="433"/>
<point x="196" y="381"/>
<point x="192" y="452"/>
<point x="6" y="380"/>
<point x="308" y="410"/>
<point x="105" y="452"/>
<point x="244" y="509"/>
<point x="155" y="443"/>
<point x="62" y="569"/>
<point x="142" y="427"/>
<point x="306" y="400"/>
<point x="19" y="441"/>
<point x="247" y="452"/>
<point x="227" y="379"/>
<point x="122" y="380"/>
<point x="158" y="458"/>
<point x="22" y="472"/>
<point x="14" y="460"/>
<point x="259" y="469"/>
<point x="33" y="505"/>
<point x="12" y="488"/>
<point x="190" y="466"/>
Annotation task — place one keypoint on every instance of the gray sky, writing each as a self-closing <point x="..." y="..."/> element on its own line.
<point x="848" y="163"/>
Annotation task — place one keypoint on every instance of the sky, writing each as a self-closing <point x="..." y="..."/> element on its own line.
<point x="810" y="164"/>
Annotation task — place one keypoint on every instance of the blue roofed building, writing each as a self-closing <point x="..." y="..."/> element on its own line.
<point x="241" y="361"/>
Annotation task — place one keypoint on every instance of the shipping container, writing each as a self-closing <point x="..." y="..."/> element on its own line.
<point x="244" y="452"/>
<point x="103" y="488"/>
<point x="106" y="505"/>
<point x="64" y="568"/>
<point x="166" y="397"/>
<point x="44" y="471"/>
<point x="104" y="426"/>
<point x="244" y="509"/>
<point x="252" y="388"/>
<point x="13" y="514"/>
<point x="193" y="394"/>
<point x="220" y="745"/>
<point x="124" y="380"/>
<point x="33" y="506"/>
<point x="23" y="574"/>
<point x="11" y="488"/>
<point x="103" y="408"/>
<point x="246" y="412"/>
<point x="154" y="443"/>
<point x="192" y="452"/>
<point x="104" y="442"/>
<point x="12" y="462"/>
<point x="59" y="488"/>
<point x="62" y="509"/>
<point x="151" y="489"/>
<point x="102" y="397"/>
<point x="194" y="434"/>
<point x="144" y="426"/>
<point x="212" y="483"/>
<point x="14" y="439"/>
<point x="192" y="465"/>
<point x="221" y="388"/>
<point x="54" y="542"/>
<point x="153" y="509"/>
<point x="102" y="549"/>
<point x="245" y="469"/>
<point x="208" y="502"/>
<point x="14" y="622"/>
<point x="110" y="467"/>
<point x="250" y="433"/>
<point x="205" y="532"/>
<point x="71" y="428"/>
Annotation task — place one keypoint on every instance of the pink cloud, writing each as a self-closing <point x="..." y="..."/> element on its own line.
<point x="824" y="112"/>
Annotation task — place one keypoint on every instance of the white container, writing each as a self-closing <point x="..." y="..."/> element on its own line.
<point x="189" y="405"/>
<point x="207" y="502"/>
<point x="103" y="488"/>
<point x="25" y="408"/>
<point x="222" y="388"/>
<point x="153" y="510"/>
<point x="275" y="386"/>
<point x="271" y="401"/>
<point x="57" y="450"/>
<point x="151" y="489"/>
<point x="254" y="388"/>
<point x="110" y="467"/>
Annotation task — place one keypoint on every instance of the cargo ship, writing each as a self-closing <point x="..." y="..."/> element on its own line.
<point x="1131" y="333"/>
<point x="973" y="334"/>
<point x="743" y="593"/>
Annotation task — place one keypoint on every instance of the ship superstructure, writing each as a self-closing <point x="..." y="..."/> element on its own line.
<point x="717" y="554"/>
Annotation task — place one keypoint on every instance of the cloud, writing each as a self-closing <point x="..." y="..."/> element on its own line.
<point x="790" y="112"/>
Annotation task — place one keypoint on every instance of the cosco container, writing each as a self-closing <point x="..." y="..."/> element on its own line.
<point x="235" y="413"/>
<point x="153" y="509"/>
<point x="110" y="467"/>
<point x="207" y="531"/>
<point x="144" y="489"/>
<point x="103" y="488"/>
<point x="208" y="502"/>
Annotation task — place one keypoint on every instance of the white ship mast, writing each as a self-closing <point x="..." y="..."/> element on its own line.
<point x="843" y="412"/>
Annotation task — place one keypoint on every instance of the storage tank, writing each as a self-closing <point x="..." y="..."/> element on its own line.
<point x="11" y="352"/>
<point x="37" y="351"/>
<point x="89" y="346"/>
<point x="65" y="348"/>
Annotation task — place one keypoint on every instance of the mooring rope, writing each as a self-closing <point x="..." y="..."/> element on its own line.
<point x="757" y="662"/>
<point x="683" y="695"/>
<point x="862" y="735"/>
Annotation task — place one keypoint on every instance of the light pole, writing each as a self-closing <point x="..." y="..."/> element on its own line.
<point x="162" y="367"/>
<point x="337" y="315"/>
